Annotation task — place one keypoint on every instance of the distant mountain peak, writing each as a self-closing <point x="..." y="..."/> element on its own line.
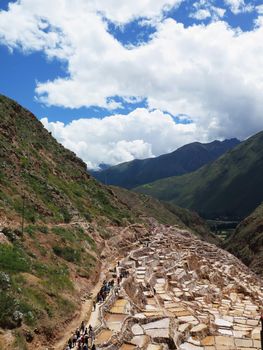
<point x="228" y="188"/>
<point x="183" y="160"/>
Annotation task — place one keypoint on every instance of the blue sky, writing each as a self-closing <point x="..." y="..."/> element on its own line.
<point x="176" y="58"/>
<point x="19" y="73"/>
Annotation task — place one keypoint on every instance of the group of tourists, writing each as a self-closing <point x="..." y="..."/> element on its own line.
<point x="122" y="274"/>
<point x="104" y="291"/>
<point x="83" y="338"/>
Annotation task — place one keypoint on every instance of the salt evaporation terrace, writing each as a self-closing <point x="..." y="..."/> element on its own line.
<point x="181" y="293"/>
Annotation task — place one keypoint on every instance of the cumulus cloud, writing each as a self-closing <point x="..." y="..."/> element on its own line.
<point x="120" y="138"/>
<point x="205" y="9"/>
<point x="211" y="73"/>
<point x="237" y="6"/>
<point x="125" y="11"/>
<point x="201" y="14"/>
<point x="259" y="9"/>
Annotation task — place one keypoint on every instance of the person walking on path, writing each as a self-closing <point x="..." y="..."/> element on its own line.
<point x="78" y="333"/>
<point x="75" y="338"/>
<point x="70" y="343"/>
<point x="91" y="334"/>
<point x="82" y="327"/>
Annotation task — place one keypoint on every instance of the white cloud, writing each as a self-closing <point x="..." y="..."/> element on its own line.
<point x="237" y="6"/>
<point x="218" y="12"/>
<point x="259" y="9"/>
<point x="125" y="11"/>
<point x="259" y="20"/>
<point x="119" y="138"/>
<point x="211" y="73"/>
<point x="202" y="71"/>
<point x="205" y="9"/>
<point x="201" y="14"/>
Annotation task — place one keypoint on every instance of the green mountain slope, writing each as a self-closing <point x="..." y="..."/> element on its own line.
<point x="247" y="241"/>
<point x="57" y="226"/>
<point x="184" y="160"/>
<point x="53" y="181"/>
<point x="47" y="262"/>
<point x="230" y="187"/>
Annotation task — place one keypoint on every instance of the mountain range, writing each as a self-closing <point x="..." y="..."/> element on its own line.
<point x="228" y="188"/>
<point x="184" y="160"/>
<point x="225" y="186"/>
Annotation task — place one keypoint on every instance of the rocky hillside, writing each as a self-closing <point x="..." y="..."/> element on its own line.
<point x="166" y="213"/>
<point x="58" y="226"/>
<point x="228" y="188"/>
<point x="247" y="241"/>
<point x="51" y="179"/>
<point x="53" y="219"/>
<point x="184" y="160"/>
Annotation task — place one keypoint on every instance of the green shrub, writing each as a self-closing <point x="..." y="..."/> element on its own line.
<point x="67" y="253"/>
<point x="13" y="259"/>
<point x="88" y="216"/>
<point x="66" y="215"/>
<point x="91" y="242"/>
<point x="65" y="233"/>
<point x="8" y="305"/>
<point x="28" y="312"/>
<point x="43" y="229"/>
<point x="66" y="307"/>
<point x="55" y="277"/>
<point x="88" y="261"/>
<point x="31" y="230"/>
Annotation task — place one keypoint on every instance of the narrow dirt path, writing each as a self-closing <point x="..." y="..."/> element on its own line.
<point x="86" y="313"/>
<point x="86" y="309"/>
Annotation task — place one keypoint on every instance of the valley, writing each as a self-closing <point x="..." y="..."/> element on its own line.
<point x="131" y="167"/>
<point x="62" y="233"/>
<point x="222" y="229"/>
